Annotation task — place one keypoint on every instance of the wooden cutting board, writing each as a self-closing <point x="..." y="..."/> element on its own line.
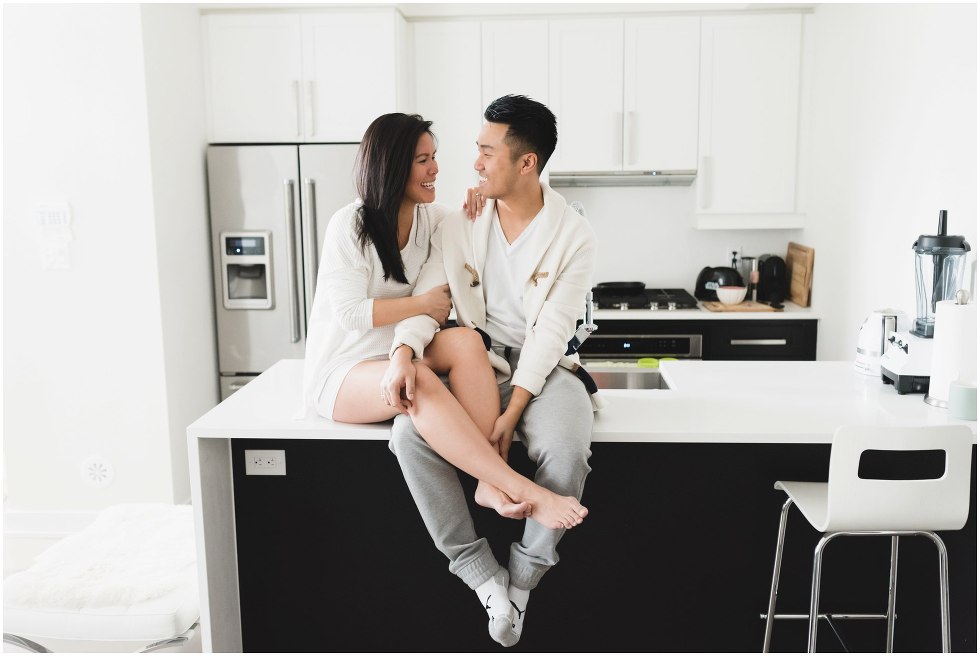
<point x="799" y="270"/>
<point x="744" y="306"/>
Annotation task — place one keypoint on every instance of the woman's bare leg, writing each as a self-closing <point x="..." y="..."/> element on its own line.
<point x="460" y="354"/>
<point x="448" y="429"/>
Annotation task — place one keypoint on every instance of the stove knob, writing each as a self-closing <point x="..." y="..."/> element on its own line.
<point x="671" y="305"/>
<point x="654" y="305"/>
<point x="623" y="306"/>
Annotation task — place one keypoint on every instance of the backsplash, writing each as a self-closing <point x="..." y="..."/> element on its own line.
<point x="647" y="234"/>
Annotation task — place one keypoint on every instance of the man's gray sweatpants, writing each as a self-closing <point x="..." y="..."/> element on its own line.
<point x="556" y="429"/>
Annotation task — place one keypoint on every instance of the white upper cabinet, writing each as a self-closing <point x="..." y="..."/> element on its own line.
<point x="515" y="59"/>
<point x="447" y="92"/>
<point x="586" y="93"/>
<point x="282" y="77"/>
<point x="660" y="94"/>
<point x="750" y="121"/>
<point x="350" y="63"/>
<point x="254" y="69"/>
<point x="626" y="93"/>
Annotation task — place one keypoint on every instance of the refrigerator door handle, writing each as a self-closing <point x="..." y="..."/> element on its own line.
<point x="311" y="260"/>
<point x="290" y="211"/>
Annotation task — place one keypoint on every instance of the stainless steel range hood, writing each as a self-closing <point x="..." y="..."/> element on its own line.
<point x="621" y="178"/>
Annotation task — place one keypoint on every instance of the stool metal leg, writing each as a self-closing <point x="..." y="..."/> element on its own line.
<point x="780" y="540"/>
<point x="892" y="591"/>
<point x="815" y="590"/>
<point x="943" y="587"/>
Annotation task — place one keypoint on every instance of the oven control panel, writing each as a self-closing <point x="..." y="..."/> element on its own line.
<point x="642" y="346"/>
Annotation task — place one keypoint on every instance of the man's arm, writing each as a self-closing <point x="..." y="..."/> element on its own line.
<point x="555" y="324"/>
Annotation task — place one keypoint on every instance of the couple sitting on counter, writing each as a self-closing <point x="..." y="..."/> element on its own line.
<point x="394" y="264"/>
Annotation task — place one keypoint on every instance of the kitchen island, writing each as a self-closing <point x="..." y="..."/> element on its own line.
<point x="333" y="556"/>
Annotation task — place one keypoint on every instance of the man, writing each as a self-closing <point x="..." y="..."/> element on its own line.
<point x="520" y="272"/>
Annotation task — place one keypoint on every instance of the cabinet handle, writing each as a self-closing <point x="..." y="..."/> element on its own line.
<point x="310" y="105"/>
<point x="290" y="211"/>
<point x="704" y="183"/>
<point x="296" y="103"/>
<point x="629" y="138"/>
<point x="758" y="342"/>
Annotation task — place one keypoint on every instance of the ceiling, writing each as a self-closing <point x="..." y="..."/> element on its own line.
<point x="421" y="10"/>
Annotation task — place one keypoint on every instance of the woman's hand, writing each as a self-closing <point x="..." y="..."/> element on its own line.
<point x="438" y="302"/>
<point x="399" y="375"/>
<point x="474" y="202"/>
<point x="502" y="435"/>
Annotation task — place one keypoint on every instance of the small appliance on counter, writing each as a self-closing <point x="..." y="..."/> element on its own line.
<point x="711" y="278"/>
<point x="772" y="280"/>
<point x="940" y="262"/>
<point x="954" y="357"/>
<point x="873" y="336"/>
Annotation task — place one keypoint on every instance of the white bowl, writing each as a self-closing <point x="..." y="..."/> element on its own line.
<point x="731" y="295"/>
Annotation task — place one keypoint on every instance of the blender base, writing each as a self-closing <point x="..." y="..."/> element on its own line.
<point x="905" y="384"/>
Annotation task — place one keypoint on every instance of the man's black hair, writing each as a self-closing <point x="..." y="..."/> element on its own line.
<point x="531" y="127"/>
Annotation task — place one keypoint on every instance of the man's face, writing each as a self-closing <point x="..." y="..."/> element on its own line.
<point x="495" y="164"/>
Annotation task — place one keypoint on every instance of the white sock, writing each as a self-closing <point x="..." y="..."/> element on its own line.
<point x="518" y="600"/>
<point x="493" y="596"/>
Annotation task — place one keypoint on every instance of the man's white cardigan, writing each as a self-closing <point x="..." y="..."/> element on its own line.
<point x="563" y="248"/>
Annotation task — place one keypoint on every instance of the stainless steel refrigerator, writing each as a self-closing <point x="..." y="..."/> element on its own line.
<point x="269" y="209"/>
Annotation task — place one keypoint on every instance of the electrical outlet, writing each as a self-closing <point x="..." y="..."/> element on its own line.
<point x="265" y="462"/>
<point x="728" y="255"/>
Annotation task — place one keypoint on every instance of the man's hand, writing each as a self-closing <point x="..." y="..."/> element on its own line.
<point x="438" y="302"/>
<point x="474" y="202"/>
<point x="502" y="435"/>
<point x="399" y="375"/>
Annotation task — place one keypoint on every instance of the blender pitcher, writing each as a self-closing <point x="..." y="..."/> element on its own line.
<point x="940" y="261"/>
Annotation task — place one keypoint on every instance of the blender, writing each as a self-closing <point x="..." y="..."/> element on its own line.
<point x="940" y="262"/>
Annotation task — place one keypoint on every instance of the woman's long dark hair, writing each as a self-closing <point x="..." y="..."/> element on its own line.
<point x="384" y="162"/>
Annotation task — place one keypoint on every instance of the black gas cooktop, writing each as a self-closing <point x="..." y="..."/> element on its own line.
<point x="635" y="296"/>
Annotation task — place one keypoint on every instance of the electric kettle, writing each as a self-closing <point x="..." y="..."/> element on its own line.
<point x="873" y="336"/>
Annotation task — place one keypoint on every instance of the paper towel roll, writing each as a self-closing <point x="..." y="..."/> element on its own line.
<point x="954" y="354"/>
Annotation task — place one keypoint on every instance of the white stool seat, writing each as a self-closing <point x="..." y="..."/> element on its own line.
<point x="129" y="576"/>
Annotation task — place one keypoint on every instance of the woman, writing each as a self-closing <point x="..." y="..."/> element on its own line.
<point x="373" y="252"/>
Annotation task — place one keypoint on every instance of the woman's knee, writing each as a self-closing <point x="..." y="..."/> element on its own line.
<point x="465" y="343"/>
<point x="426" y="379"/>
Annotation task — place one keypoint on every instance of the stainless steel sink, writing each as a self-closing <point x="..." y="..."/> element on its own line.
<point x="620" y="376"/>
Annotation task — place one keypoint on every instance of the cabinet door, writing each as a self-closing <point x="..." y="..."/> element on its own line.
<point x="349" y="66"/>
<point x="515" y="59"/>
<point x="661" y="93"/>
<point x="586" y="93"/>
<point x="447" y="92"/>
<point x="750" y="85"/>
<point x="254" y="70"/>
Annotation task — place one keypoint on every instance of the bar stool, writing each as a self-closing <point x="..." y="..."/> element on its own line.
<point x="848" y="505"/>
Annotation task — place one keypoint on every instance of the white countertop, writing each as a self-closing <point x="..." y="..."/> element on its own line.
<point x="708" y="401"/>
<point x="791" y="311"/>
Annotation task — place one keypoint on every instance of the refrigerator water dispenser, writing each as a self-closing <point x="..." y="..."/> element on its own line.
<point x="246" y="270"/>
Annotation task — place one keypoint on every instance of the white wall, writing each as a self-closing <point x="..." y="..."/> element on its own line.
<point x="93" y="353"/>
<point x="894" y="141"/>
<point x="178" y="138"/>
<point x="647" y="234"/>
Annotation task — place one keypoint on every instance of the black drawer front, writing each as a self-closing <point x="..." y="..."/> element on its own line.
<point x="777" y="340"/>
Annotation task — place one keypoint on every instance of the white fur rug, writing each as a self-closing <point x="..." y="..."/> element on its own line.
<point x="131" y="553"/>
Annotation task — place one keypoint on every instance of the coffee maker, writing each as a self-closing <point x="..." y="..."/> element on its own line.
<point x="940" y="262"/>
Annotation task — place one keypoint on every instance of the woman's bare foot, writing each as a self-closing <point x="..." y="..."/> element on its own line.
<point x="490" y="497"/>
<point x="554" y="511"/>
